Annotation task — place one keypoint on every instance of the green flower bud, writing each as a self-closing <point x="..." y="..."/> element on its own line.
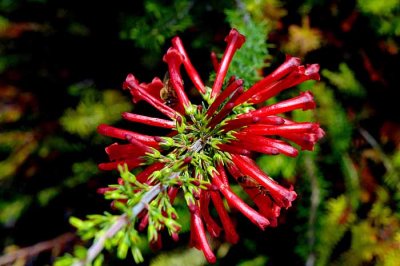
<point x="137" y="255"/>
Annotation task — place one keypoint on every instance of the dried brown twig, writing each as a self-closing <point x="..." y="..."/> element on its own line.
<point x="36" y="249"/>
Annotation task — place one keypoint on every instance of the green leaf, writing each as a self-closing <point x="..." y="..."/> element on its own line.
<point x="76" y="222"/>
<point x="137" y="255"/>
<point x="123" y="247"/>
<point x="99" y="260"/>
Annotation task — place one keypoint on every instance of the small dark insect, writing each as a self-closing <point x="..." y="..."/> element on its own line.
<point x="167" y="93"/>
<point x="249" y="183"/>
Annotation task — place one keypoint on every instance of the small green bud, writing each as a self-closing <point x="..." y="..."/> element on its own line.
<point x="229" y="136"/>
<point x="177" y="166"/>
<point x="122" y="250"/>
<point x="180" y="124"/>
<point x="128" y="177"/>
<point x="156" y="175"/>
<point x="76" y="222"/>
<point x="114" y="194"/>
<point x="172" y="225"/>
<point x="154" y="153"/>
<point x="167" y="171"/>
<point x="134" y="236"/>
<point x="137" y="255"/>
<point x="80" y="252"/>
<point x="190" y="201"/>
<point x="151" y="233"/>
<point x="207" y="95"/>
<point x="211" y="170"/>
<point x="190" y="110"/>
<point x="119" y="205"/>
<point x="121" y="169"/>
<point x="218" y="158"/>
<point x="214" y="142"/>
<point x="171" y="156"/>
<point x="99" y="260"/>
<point x="167" y="142"/>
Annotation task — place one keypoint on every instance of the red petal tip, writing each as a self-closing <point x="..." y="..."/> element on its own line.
<point x="173" y="54"/>
<point x="292" y="61"/>
<point x="234" y="33"/>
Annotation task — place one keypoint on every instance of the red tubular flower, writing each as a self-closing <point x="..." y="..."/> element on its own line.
<point x="214" y="61"/>
<point x="239" y="204"/>
<point x="282" y="197"/>
<point x="258" y="194"/>
<point x="139" y="93"/>
<point x="151" y="121"/>
<point x="118" y="133"/>
<point x="224" y="132"/>
<point x="231" y="88"/>
<point x="226" y="109"/>
<point x="230" y="232"/>
<point x="199" y="236"/>
<point x="194" y="76"/>
<point x="235" y="40"/>
<point x="222" y="174"/>
<point x="174" y="59"/>
<point x="296" y="77"/>
<point x="212" y="226"/>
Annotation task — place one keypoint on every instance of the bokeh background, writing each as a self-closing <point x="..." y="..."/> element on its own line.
<point x="62" y="64"/>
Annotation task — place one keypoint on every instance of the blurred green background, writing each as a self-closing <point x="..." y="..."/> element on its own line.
<point x="61" y="67"/>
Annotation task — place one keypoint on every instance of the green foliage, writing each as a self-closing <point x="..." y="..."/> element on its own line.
<point x="351" y="180"/>
<point x="160" y="23"/>
<point x="303" y="39"/>
<point x="384" y="15"/>
<point x="375" y="238"/>
<point x="92" y="110"/>
<point x="345" y="81"/>
<point x="337" y="221"/>
<point x="314" y="192"/>
<point x="23" y="146"/>
<point x="7" y="5"/>
<point x="278" y="166"/>
<point x="11" y="210"/>
<point x="269" y="11"/>
<point x="378" y="7"/>
<point x="392" y="176"/>
<point x="332" y="116"/>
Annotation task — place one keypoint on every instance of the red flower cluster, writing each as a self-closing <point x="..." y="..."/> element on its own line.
<point x="215" y="140"/>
